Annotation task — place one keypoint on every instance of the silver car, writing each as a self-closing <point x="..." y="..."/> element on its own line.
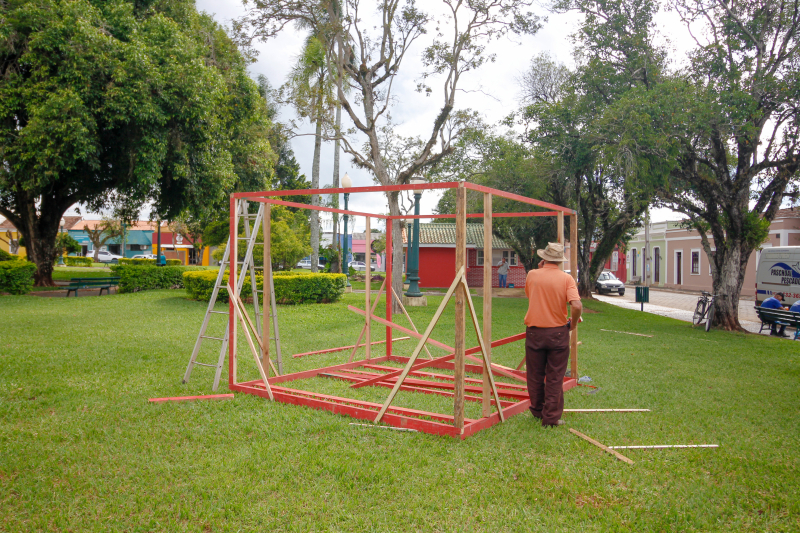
<point x="607" y="283"/>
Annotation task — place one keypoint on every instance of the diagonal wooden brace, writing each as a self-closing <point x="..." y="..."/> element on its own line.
<point x="421" y="343"/>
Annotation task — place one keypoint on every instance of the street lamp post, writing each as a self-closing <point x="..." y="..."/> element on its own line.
<point x="346" y="183"/>
<point x="413" y="295"/>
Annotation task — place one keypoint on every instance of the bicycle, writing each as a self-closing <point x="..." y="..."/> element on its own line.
<point x="704" y="309"/>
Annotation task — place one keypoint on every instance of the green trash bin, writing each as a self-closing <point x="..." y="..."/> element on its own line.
<point x="642" y="295"/>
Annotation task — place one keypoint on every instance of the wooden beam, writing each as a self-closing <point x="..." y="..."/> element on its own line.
<point x="364" y="327"/>
<point x="250" y="344"/>
<point x="367" y="280"/>
<point x="573" y="270"/>
<point x="243" y="312"/>
<point x="606" y="410"/>
<point x="233" y="238"/>
<point x="487" y="372"/>
<point x="191" y="398"/>
<point x="398" y="327"/>
<point x="388" y="280"/>
<point x="266" y="306"/>
<point x="560" y="233"/>
<point x="403" y="308"/>
<point x="487" y="297"/>
<point x="420" y="344"/>
<point x="344" y="348"/>
<point x="601" y="446"/>
<point x="460" y="310"/>
<point x="664" y="446"/>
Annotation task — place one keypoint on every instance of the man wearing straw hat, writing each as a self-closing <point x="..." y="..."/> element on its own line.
<point x="549" y="290"/>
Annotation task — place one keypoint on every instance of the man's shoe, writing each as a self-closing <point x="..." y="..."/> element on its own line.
<point x="773" y="333"/>
<point x="784" y="335"/>
<point x="559" y="423"/>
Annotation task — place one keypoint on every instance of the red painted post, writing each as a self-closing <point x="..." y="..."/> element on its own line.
<point x="388" y="291"/>
<point x="232" y="279"/>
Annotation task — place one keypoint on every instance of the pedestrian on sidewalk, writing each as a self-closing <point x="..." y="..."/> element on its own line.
<point x="502" y="272"/>
<point x="549" y="289"/>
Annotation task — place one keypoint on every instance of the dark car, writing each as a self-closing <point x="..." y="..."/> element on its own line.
<point x="607" y="283"/>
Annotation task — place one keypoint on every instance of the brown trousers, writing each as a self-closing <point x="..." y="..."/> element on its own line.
<point x="546" y="358"/>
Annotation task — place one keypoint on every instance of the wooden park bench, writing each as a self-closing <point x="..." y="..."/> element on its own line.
<point x="76" y="284"/>
<point x="779" y="317"/>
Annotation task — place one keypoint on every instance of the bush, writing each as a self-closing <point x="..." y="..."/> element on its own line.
<point x="5" y="256"/>
<point x="16" y="277"/>
<point x="174" y="262"/>
<point x="135" y="278"/>
<point x="73" y="260"/>
<point x="290" y="287"/>
<point x="125" y="261"/>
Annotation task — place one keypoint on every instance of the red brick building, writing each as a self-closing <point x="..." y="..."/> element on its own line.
<point x="437" y="256"/>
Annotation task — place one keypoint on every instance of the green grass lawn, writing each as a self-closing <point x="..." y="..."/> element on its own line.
<point x="81" y="449"/>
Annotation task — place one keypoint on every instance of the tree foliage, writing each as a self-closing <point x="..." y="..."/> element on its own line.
<point x="117" y="103"/>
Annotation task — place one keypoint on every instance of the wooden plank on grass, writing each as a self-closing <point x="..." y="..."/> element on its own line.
<point x="626" y="333"/>
<point x="192" y="398"/>
<point x="664" y="446"/>
<point x="487" y="299"/>
<point x="601" y="446"/>
<point x="607" y="411"/>
<point x="460" y="308"/>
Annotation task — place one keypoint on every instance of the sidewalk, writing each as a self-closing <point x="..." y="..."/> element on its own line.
<point x="679" y="306"/>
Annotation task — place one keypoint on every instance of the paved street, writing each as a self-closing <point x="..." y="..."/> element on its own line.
<point x="679" y="306"/>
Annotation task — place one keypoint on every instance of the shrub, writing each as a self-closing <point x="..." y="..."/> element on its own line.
<point x="135" y="278"/>
<point x="125" y="261"/>
<point x="290" y="287"/>
<point x="16" y="277"/>
<point x="174" y="262"/>
<point x="72" y="260"/>
<point x="5" y="256"/>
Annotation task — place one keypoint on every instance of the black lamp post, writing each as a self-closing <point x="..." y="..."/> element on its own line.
<point x="413" y="259"/>
<point x="346" y="183"/>
<point x="61" y="255"/>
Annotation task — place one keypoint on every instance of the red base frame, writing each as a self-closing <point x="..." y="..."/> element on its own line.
<point x="400" y="417"/>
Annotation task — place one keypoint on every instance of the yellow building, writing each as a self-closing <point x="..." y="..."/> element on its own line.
<point x="9" y="237"/>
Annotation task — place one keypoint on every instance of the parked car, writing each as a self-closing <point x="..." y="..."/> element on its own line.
<point x="144" y="256"/>
<point x="306" y="263"/>
<point x="360" y="266"/>
<point x="104" y="256"/>
<point x="608" y="283"/>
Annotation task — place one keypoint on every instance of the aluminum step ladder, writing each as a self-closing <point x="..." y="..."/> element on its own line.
<point x="247" y="266"/>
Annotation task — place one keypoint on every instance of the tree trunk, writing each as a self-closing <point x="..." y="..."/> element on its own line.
<point x="397" y="249"/>
<point x="336" y="147"/>
<point x="727" y="285"/>
<point x="40" y="234"/>
<point x="315" y="199"/>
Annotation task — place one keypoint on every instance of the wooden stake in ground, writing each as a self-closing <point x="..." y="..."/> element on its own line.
<point x="601" y="446"/>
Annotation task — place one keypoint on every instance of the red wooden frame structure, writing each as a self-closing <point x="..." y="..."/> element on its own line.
<point x="507" y="398"/>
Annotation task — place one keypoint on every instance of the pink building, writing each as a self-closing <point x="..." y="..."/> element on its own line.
<point x="678" y="259"/>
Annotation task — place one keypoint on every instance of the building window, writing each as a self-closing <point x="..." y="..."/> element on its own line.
<point x="633" y="262"/>
<point x="695" y="261"/>
<point x="656" y="264"/>
<point x="479" y="259"/>
<point x="511" y="257"/>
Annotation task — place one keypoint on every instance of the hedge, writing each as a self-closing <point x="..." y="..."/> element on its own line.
<point x="126" y="261"/>
<point x="5" y="256"/>
<point x="290" y="287"/>
<point x="73" y="260"/>
<point x="135" y="278"/>
<point x="16" y="277"/>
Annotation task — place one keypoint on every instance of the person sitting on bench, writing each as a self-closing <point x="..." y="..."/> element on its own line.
<point x="795" y="308"/>
<point x="775" y="303"/>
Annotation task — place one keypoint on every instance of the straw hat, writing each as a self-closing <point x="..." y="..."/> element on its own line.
<point x="554" y="252"/>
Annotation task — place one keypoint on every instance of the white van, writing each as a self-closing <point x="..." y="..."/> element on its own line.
<point x="779" y="271"/>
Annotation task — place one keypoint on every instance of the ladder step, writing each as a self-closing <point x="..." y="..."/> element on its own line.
<point x="219" y="312"/>
<point x="205" y="364"/>
<point x="207" y="337"/>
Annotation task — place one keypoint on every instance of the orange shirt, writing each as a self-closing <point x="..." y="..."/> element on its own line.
<point x="548" y="290"/>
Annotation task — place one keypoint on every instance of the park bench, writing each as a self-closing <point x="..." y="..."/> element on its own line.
<point x="91" y="283"/>
<point x="780" y="318"/>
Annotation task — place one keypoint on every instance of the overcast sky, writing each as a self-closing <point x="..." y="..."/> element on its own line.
<point x="492" y="90"/>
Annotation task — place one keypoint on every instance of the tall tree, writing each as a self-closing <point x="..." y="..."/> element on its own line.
<point x="310" y="89"/>
<point x="610" y="188"/>
<point x="372" y="57"/>
<point x="117" y="103"/>
<point x="738" y="132"/>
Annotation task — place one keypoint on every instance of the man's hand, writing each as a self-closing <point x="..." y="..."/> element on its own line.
<point x="577" y="309"/>
<point x="540" y="264"/>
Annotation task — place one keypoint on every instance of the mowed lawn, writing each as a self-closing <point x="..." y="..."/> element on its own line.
<point x="81" y="449"/>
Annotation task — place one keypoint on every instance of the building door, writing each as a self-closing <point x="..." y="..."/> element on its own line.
<point x="678" y="264"/>
<point x="656" y="265"/>
<point x="633" y="262"/>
